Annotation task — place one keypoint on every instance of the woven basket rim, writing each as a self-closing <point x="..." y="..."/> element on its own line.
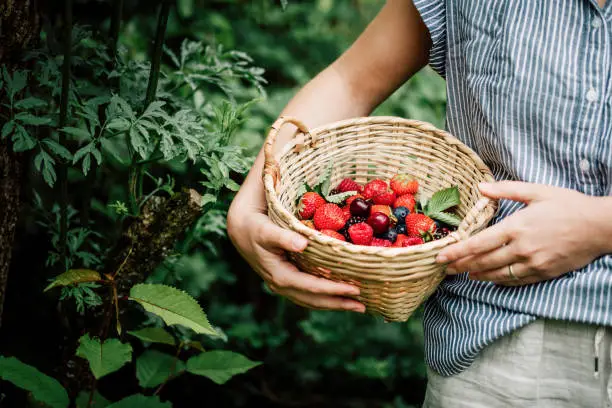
<point x="343" y="246"/>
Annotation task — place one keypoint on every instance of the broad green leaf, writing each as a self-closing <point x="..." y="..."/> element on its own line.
<point x="78" y="132"/>
<point x="74" y="276"/>
<point x="208" y="198"/>
<point x="443" y="200"/>
<point x="154" y="367"/>
<point x="104" y="358"/>
<point x="82" y="152"/>
<point x="7" y="128"/>
<point x="119" y="124"/>
<point x="219" y="365"/>
<point x="29" y="103"/>
<point x="140" y="401"/>
<point x="57" y="148"/>
<point x="22" y="139"/>
<point x="232" y="185"/>
<point x="154" y="335"/>
<point x="45" y="164"/>
<point x="325" y="180"/>
<point x="448" y="218"/>
<point x="29" y="119"/>
<point x="98" y="400"/>
<point x="195" y="345"/>
<point x="18" y="82"/>
<point x="43" y="388"/>
<point x="173" y="305"/>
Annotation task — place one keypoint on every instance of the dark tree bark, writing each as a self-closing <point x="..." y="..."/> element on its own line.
<point x="19" y="27"/>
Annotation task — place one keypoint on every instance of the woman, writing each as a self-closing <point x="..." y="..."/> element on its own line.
<point x="524" y="318"/>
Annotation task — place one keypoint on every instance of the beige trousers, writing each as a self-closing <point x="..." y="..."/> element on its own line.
<point x="546" y="364"/>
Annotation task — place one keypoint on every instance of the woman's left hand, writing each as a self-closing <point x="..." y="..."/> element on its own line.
<point x="559" y="231"/>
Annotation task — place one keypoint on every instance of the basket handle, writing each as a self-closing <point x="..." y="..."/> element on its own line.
<point x="270" y="164"/>
<point x="471" y="218"/>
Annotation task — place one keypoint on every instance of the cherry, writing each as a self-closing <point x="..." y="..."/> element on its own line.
<point x="360" y="207"/>
<point x="379" y="222"/>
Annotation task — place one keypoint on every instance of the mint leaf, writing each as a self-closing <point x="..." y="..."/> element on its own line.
<point x="340" y="197"/>
<point x="443" y="200"/>
<point x="325" y="180"/>
<point x="447" y="218"/>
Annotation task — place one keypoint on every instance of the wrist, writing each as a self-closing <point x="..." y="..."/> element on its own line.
<point x="602" y="221"/>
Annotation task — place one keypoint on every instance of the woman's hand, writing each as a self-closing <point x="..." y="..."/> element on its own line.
<point x="559" y="231"/>
<point x="263" y="245"/>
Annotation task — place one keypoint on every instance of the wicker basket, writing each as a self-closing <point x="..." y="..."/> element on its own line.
<point x="393" y="281"/>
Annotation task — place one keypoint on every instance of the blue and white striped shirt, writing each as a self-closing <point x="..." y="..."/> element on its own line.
<point x="529" y="90"/>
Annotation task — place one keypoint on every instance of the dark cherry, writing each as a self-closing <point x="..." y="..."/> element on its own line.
<point x="360" y="207"/>
<point x="379" y="222"/>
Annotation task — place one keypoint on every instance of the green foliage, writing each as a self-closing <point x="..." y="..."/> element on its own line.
<point x="104" y="357"/>
<point x="154" y="335"/>
<point x="441" y="201"/>
<point x="98" y="401"/>
<point x="173" y="306"/>
<point x="140" y="401"/>
<point x="219" y="365"/>
<point x="44" y="389"/>
<point x="73" y="276"/>
<point x="153" y="368"/>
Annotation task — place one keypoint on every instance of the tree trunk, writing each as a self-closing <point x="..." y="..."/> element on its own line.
<point x="19" y="26"/>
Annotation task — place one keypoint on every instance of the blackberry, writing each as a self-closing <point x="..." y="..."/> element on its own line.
<point x="355" y="219"/>
<point x="334" y="192"/>
<point x="441" y="233"/>
<point x="344" y="232"/>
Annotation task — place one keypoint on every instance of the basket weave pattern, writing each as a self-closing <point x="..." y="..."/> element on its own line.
<point x="393" y="281"/>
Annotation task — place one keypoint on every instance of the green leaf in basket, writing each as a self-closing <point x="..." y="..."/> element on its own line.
<point x="447" y="218"/>
<point x="340" y="197"/>
<point x="325" y="180"/>
<point x="442" y="200"/>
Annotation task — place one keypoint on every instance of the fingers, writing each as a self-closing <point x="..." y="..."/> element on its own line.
<point x="283" y="275"/>
<point x="324" y="302"/>
<point x="502" y="274"/>
<point x="273" y="237"/>
<point x="483" y="242"/>
<point x="495" y="259"/>
<point x="515" y="191"/>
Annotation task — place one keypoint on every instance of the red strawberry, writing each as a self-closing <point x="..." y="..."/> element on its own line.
<point x="381" y="242"/>
<point x="404" y="184"/>
<point x="308" y="204"/>
<point x="349" y="184"/>
<point x="347" y="212"/>
<point x="333" y="234"/>
<point x="374" y="188"/>
<point x="361" y="234"/>
<point x="385" y="198"/>
<point x="385" y="209"/>
<point x="419" y="224"/>
<point x="329" y="216"/>
<point x="400" y="241"/>
<point x="414" y="241"/>
<point x="406" y="200"/>
<point x="352" y="198"/>
<point x="308" y="223"/>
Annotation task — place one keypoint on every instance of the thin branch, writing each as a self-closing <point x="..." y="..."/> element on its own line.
<point x="63" y="121"/>
<point x="162" y="22"/>
<point x="115" y="28"/>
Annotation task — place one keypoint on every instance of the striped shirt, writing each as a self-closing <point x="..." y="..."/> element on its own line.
<point x="529" y="90"/>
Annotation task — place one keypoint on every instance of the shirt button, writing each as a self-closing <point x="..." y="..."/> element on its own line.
<point x="591" y="95"/>
<point x="585" y="166"/>
<point x="596" y="23"/>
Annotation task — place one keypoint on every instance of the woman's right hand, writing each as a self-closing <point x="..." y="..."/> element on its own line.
<point x="263" y="244"/>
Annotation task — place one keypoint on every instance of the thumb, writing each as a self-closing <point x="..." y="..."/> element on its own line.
<point x="515" y="191"/>
<point x="274" y="237"/>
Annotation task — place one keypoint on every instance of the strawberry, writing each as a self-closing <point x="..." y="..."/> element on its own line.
<point x="308" y="204"/>
<point x="400" y="241"/>
<point x="347" y="212"/>
<point x="419" y="224"/>
<point x="385" y="209"/>
<point x="414" y="241"/>
<point x="333" y="234"/>
<point x="404" y="184"/>
<point x="329" y="216"/>
<point x="406" y="200"/>
<point x="385" y="198"/>
<point x="374" y="188"/>
<point x="380" y="242"/>
<point x="352" y="198"/>
<point x="361" y="234"/>
<point x="308" y="223"/>
<point x="349" y="184"/>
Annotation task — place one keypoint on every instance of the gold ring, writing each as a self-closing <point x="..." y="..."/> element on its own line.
<point x="511" y="273"/>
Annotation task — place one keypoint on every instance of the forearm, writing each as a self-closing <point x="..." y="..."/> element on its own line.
<point x="602" y="223"/>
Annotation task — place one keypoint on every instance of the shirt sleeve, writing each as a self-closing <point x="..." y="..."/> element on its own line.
<point x="433" y="14"/>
